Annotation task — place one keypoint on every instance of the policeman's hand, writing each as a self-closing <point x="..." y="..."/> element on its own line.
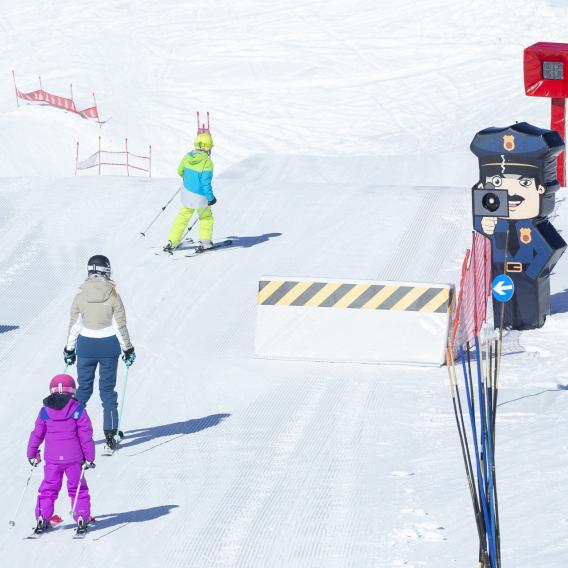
<point x="488" y="225"/>
<point x="69" y="356"/>
<point x="129" y="357"/>
<point x="212" y="202"/>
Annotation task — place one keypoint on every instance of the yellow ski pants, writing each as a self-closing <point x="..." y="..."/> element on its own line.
<point x="182" y="220"/>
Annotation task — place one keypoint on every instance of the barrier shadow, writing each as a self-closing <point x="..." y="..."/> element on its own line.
<point x="8" y="328"/>
<point x="559" y="302"/>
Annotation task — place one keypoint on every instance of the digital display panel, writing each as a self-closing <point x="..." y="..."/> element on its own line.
<point x="553" y="70"/>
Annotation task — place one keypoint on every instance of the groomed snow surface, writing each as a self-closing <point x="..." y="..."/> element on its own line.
<point x="341" y="144"/>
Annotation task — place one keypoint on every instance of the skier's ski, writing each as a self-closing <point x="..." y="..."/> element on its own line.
<point x="42" y="527"/>
<point x="201" y="250"/>
<point x="107" y="450"/>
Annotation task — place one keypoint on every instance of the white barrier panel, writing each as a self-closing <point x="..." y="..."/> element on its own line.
<point x="359" y="321"/>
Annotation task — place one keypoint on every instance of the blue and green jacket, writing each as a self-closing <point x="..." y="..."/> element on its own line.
<point x="196" y="169"/>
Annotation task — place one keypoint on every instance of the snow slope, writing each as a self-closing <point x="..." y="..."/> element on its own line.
<point x="314" y="78"/>
<point x="234" y="461"/>
<point x="342" y="136"/>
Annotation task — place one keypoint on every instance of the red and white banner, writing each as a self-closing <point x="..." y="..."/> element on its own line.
<point x="41" y="96"/>
<point x="475" y="292"/>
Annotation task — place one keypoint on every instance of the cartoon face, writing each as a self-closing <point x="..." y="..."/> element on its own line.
<point x="523" y="194"/>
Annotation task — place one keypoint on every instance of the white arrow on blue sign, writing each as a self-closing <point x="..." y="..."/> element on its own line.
<point x="503" y="288"/>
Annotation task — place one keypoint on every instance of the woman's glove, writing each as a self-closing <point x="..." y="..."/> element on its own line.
<point x="129" y="357"/>
<point x="69" y="356"/>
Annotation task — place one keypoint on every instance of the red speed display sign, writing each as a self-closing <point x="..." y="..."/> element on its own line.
<point x="546" y="75"/>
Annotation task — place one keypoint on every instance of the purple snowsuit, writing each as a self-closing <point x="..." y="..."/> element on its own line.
<point x="68" y="434"/>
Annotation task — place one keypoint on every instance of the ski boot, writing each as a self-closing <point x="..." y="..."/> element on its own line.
<point x="110" y="439"/>
<point x="204" y="245"/>
<point x="41" y="525"/>
<point x="169" y="248"/>
<point x="81" y="529"/>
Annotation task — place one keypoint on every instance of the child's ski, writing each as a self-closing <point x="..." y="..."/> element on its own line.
<point x="42" y="527"/>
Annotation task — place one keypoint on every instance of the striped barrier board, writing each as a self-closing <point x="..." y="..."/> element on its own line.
<point x="365" y="321"/>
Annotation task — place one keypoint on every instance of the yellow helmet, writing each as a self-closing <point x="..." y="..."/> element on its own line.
<point x="203" y="141"/>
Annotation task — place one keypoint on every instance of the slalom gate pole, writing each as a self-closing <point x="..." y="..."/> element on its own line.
<point x="143" y="233"/>
<point x="485" y="482"/>
<point x="13" y="522"/>
<point x="122" y="398"/>
<point x="497" y="530"/>
<point x="490" y="449"/>
<point x="454" y="392"/>
<point x="480" y="482"/>
<point x="72" y="512"/>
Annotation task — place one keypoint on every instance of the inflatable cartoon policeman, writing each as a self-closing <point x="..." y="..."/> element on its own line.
<point x="511" y="203"/>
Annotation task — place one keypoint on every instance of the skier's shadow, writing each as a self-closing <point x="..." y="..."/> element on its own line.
<point x="7" y="328"/>
<point x="559" y="302"/>
<point x="177" y="429"/>
<point x="248" y="242"/>
<point x="138" y="516"/>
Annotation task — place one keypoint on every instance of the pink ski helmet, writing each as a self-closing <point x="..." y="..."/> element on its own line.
<point x="62" y="383"/>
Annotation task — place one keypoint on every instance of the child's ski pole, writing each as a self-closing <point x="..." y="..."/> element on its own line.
<point x="13" y="523"/>
<point x="143" y="233"/>
<point x="72" y="512"/>
<point x="117" y="435"/>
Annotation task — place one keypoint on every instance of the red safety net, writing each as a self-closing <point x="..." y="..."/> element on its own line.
<point x="475" y="292"/>
<point x="41" y="96"/>
<point x="123" y="159"/>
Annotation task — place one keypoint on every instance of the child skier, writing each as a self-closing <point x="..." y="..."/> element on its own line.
<point x="196" y="169"/>
<point x="68" y="433"/>
<point x="97" y="333"/>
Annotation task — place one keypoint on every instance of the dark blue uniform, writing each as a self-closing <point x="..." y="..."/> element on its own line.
<point x="532" y="250"/>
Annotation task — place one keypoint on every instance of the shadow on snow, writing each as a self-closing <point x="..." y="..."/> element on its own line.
<point x="177" y="429"/>
<point x="247" y="242"/>
<point x="559" y="302"/>
<point x="120" y="520"/>
<point x="7" y="328"/>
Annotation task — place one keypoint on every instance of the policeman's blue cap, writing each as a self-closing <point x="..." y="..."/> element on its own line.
<point x="519" y="149"/>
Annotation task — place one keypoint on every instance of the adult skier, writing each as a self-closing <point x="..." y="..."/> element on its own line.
<point x="97" y="334"/>
<point x="196" y="169"/>
<point x="68" y="434"/>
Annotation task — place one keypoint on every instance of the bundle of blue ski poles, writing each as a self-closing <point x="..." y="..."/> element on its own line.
<point x="480" y="365"/>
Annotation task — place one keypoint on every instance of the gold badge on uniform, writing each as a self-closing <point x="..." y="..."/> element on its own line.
<point x="509" y="142"/>
<point x="525" y="236"/>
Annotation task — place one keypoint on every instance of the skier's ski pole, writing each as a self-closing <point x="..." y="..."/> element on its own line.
<point x="72" y="512"/>
<point x="117" y="435"/>
<point x="13" y="523"/>
<point x="143" y="233"/>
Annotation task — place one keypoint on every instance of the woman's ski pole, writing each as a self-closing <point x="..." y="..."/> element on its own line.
<point x="117" y="435"/>
<point x="143" y="233"/>
<point x="13" y="523"/>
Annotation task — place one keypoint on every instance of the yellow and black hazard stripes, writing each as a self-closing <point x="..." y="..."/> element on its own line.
<point x="362" y="296"/>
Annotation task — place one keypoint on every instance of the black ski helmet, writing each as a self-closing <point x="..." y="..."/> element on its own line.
<point x="99" y="264"/>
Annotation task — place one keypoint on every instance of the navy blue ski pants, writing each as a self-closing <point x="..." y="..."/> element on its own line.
<point x="86" y="367"/>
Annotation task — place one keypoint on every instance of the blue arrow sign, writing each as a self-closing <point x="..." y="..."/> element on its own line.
<point x="503" y="288"/>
